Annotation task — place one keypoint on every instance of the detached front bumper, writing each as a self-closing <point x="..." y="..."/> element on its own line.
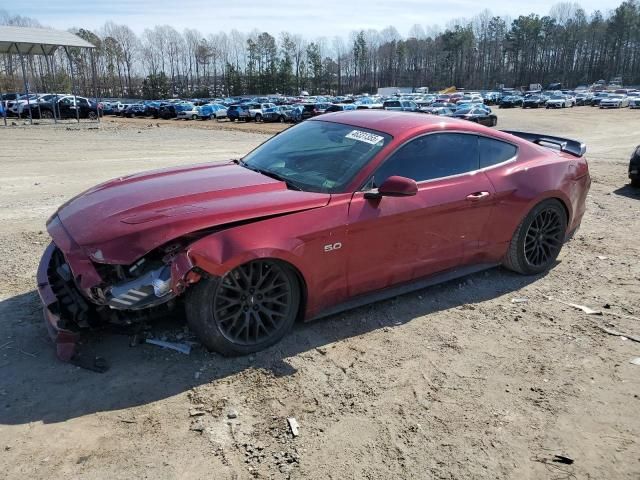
<point x="64" y="339"/>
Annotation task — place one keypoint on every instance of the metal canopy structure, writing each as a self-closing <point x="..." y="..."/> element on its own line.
<point x="42" y="41"/>
<point x="28" y="41"/>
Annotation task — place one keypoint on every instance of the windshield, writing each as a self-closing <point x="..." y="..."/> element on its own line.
<point x="317" y="156"/>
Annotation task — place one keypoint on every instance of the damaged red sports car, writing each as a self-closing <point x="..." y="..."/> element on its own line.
<point x="336" y="212"/>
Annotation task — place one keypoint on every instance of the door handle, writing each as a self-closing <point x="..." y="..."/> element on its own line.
<point x="477" y="196"/>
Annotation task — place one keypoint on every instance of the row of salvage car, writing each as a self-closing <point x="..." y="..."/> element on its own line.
<point x="296" y="109"/>
<point x="621" y="98"/>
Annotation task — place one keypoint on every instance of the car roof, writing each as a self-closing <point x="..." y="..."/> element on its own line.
<point x="387" y="121"/>
<point x="405" y="125"/>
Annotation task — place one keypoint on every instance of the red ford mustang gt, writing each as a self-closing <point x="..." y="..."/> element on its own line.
<point x="338" y="211"/>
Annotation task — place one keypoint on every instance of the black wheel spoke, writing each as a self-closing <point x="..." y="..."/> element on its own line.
<point x="543" y="238"/>
<point x="252" y="302"/>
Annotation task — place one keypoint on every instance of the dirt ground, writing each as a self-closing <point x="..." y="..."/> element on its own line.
<point x="457" y="381"/>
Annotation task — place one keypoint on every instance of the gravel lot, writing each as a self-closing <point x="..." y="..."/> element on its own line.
<point x="456" y="381"/>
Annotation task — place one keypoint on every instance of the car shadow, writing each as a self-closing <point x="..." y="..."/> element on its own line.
<point x="628" y="191"/>
<point x="35" y="386"/>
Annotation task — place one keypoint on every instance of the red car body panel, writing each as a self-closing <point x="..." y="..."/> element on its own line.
<point x="144" y="211"/>
<point x="342" y="245"/>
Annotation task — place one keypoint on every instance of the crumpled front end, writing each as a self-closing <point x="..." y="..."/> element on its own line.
<point x="78" y="293"/>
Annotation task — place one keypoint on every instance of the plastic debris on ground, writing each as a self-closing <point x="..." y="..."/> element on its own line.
<point x="178" y="347"/>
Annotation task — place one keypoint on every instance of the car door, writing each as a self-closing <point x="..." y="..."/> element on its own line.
<point x="67" y="107"/>
<point x="398" y="239"/>
<point x="483" y="117"/>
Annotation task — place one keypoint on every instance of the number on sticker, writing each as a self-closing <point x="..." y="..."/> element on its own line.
<point x="364" y="137"/>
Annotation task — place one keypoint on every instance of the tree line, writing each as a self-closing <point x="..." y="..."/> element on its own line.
<point x="567" y="46"/>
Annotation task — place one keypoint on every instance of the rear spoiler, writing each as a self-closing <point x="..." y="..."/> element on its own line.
<point x="572" y="147"/>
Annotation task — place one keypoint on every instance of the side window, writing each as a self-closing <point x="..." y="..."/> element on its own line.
<point x="432" y="156"/>
<point x="493" y="152"/>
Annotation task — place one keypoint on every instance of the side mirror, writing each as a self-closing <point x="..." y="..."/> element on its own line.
<point x="394" y="186"/>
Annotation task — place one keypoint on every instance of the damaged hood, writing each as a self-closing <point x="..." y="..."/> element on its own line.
<point x="121" y="220"/>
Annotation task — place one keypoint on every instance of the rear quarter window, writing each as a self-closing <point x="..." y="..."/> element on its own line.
<point x="493" y="152"/>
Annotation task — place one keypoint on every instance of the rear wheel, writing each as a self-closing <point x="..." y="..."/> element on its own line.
<point x="92" y="115"/>
<point x="258" y="117"/>
<point x="194" y="117"/>
<point x="46" y="114"/>
<point x="538" y="239"/>
<point x="249" y="309"/>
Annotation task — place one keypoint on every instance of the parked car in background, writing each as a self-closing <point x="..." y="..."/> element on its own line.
<point x="238" y="112"/>
<point x="534" y="101"/>
<point x="256" y="110"/>
<point x="212" y="110"/>
<point x="559" y="101"/>
<point x="482" y="106"/>
<point x="16" y="106"/>
<point x="120" y="108"/>
<point x="634" y="102"/>
<point x="511" y="101"/>
<point x="340" y="107"/>
<point x="440" y="104"/>
<point x="439" y="110"/>
<point x="187" y="111"/>
<point x="598" y="97"/>
<point x="67" y="107"/>
<point x="477" y="115"/>
<point x="282" y="114"/>
<point x="491" y="98"/>
<point x="615" y="101"/>
<point x="400" y="105"/>
<point x="135" y="110"/>
<point x="167" y="111"/>
<point x="583" y="98"/>
<point x="152" y="108"/>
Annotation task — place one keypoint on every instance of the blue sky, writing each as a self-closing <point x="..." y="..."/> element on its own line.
<point x="312" y="19"/>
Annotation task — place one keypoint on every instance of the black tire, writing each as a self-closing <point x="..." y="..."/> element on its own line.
<point x="281" y="119"/>
<point x="538" y="239"/>
<point x="494" y="122"/>
<point x="92" y="116"/>
<point x="258" y="117"/>
<point x="214" y="306"/>
<point x="46" y="114"/>
<point x="194" y="117"/>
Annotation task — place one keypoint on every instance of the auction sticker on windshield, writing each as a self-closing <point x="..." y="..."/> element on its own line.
<point x="364" y="137"/>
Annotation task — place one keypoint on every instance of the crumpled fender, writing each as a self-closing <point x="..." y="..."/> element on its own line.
<point x="221" y="252"/>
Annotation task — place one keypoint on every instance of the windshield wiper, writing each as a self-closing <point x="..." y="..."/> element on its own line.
<point x="275" y="176"/>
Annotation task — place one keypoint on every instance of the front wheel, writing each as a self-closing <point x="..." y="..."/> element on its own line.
<point x="538" y="240"/>
<point x="258" y="118"/>
<point x="249" y="309"/>
<point x="92" y="115"/>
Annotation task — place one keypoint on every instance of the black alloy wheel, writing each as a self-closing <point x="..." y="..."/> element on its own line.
<point x="248" y="309"/>
<point x="544" y="238"/>
<point x="538" y="239"/>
